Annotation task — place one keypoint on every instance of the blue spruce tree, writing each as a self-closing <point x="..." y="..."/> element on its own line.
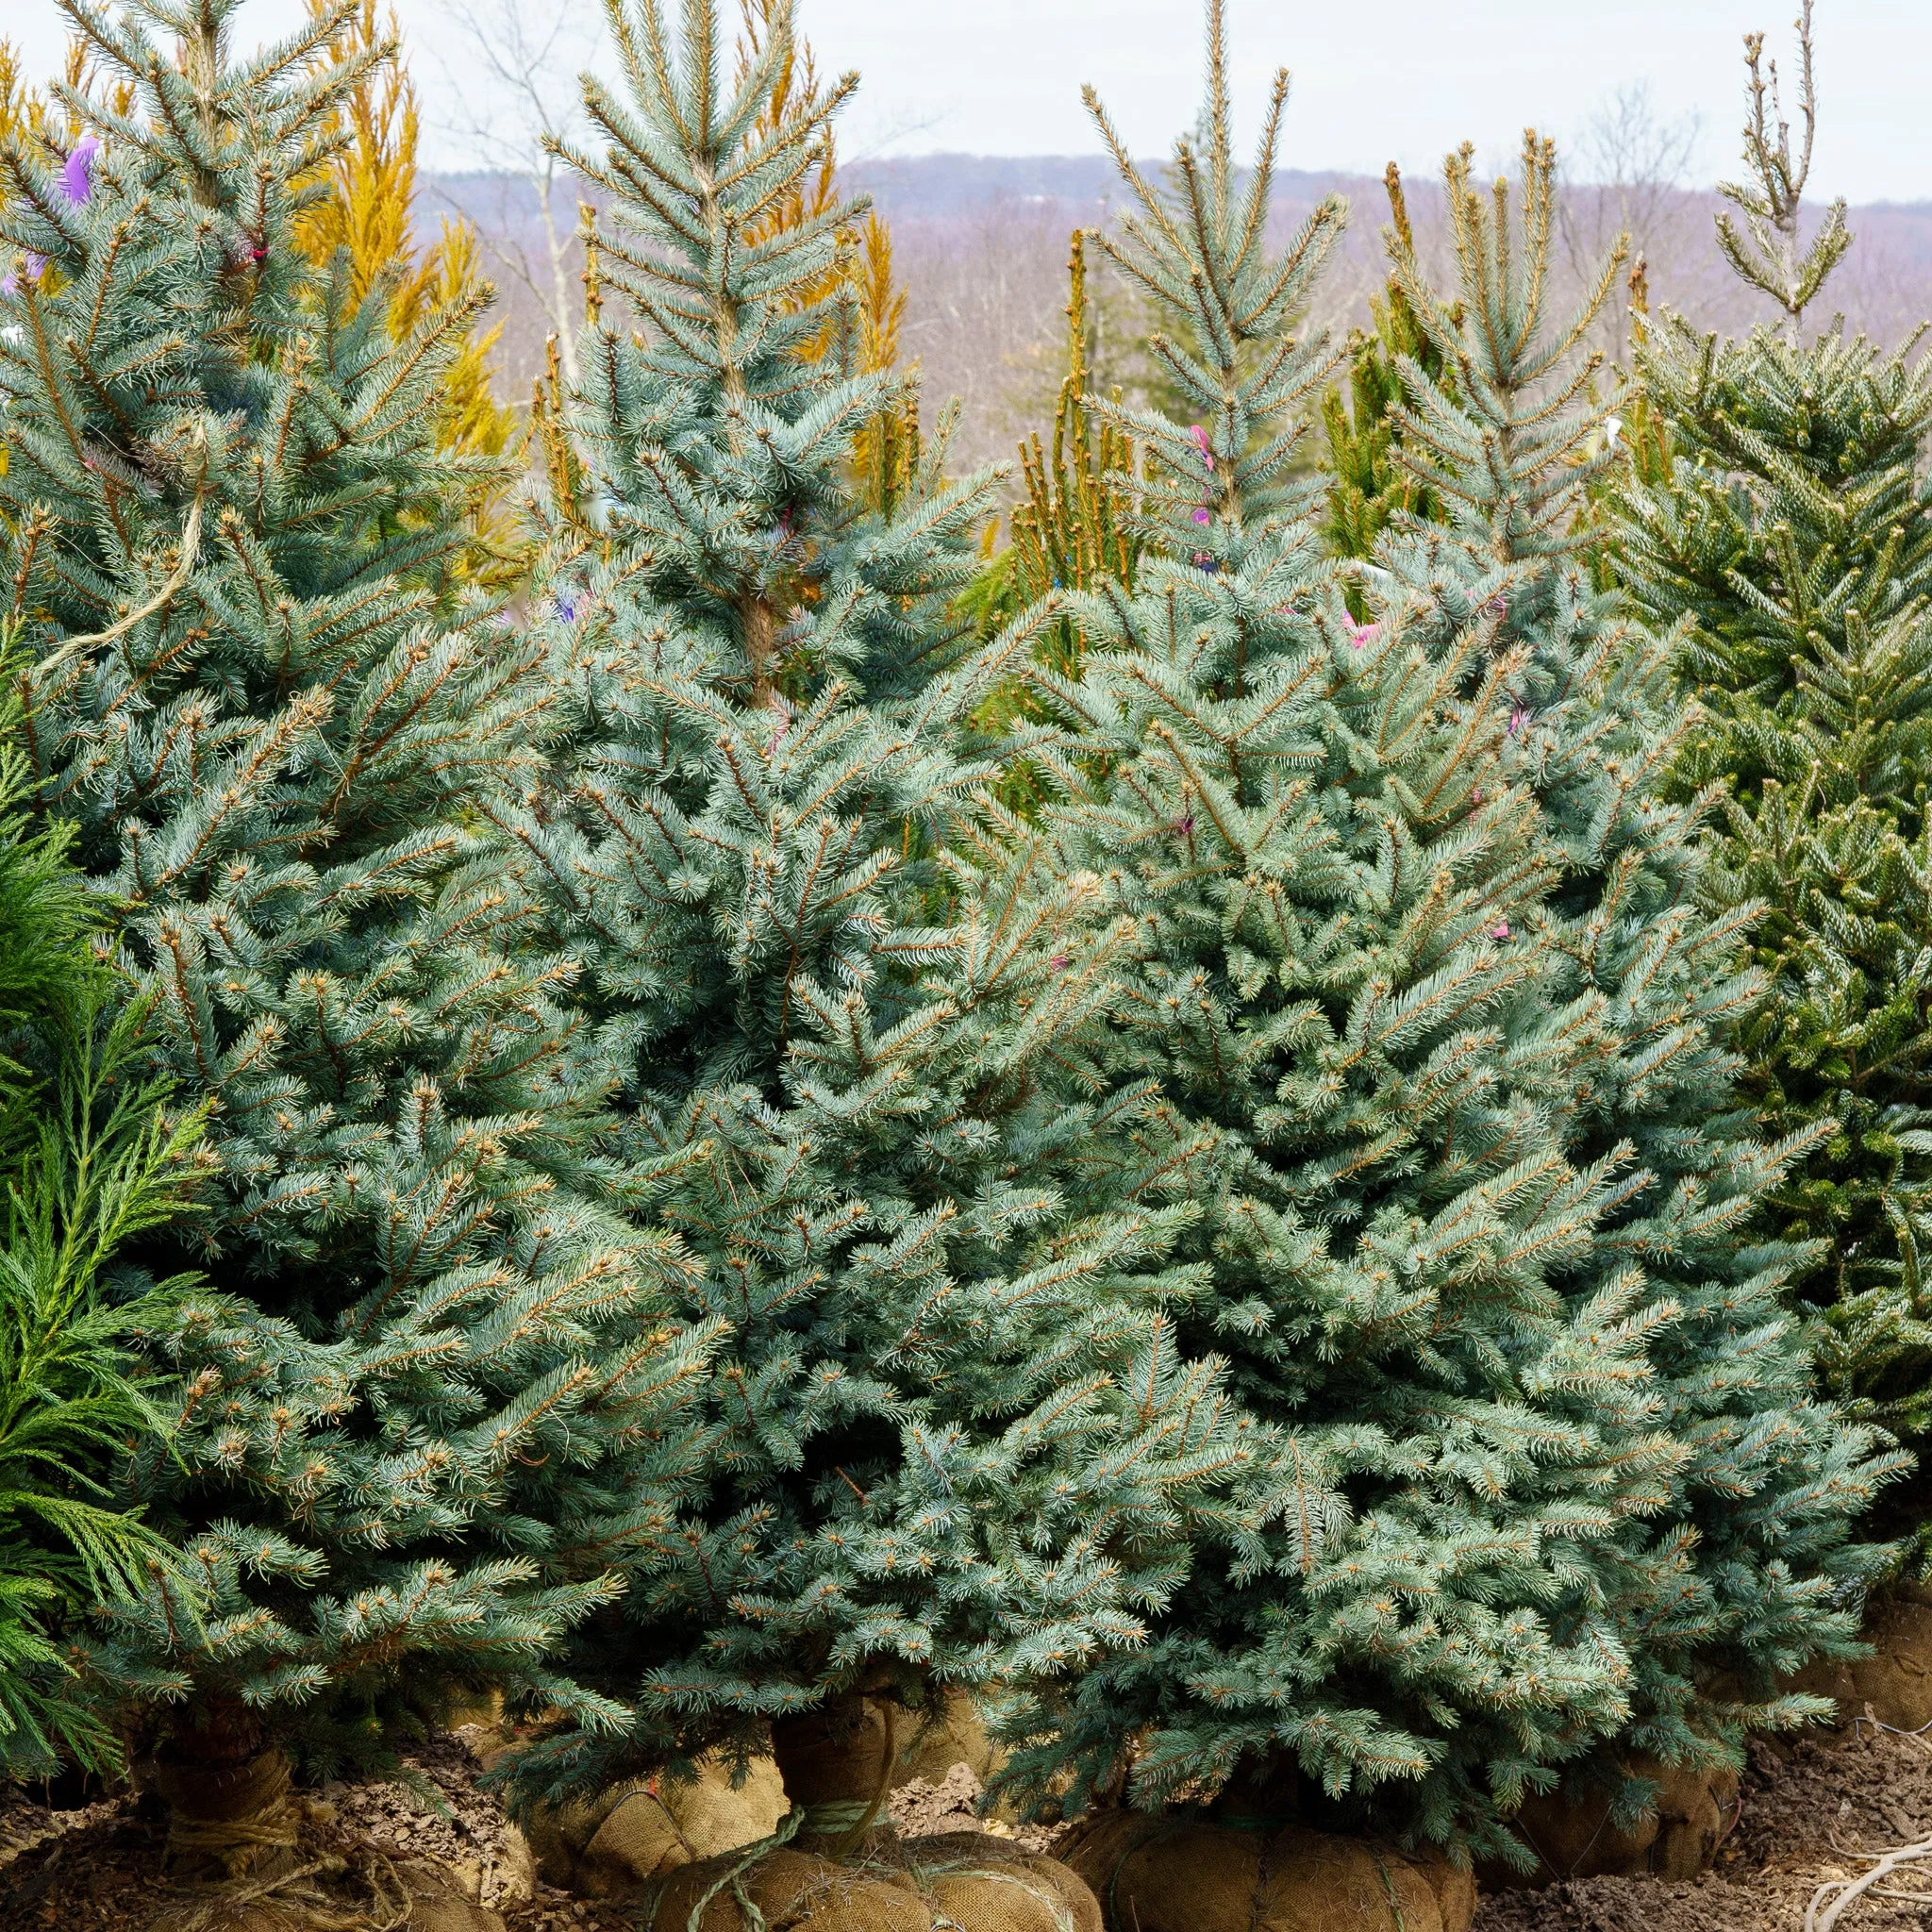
<point x="1753" y="1568"/>
<point x="432" y="1393"/>
<point x="1531" y="1456"/>
<point x="946" y="1428"/>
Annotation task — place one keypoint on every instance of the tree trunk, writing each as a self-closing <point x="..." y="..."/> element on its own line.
<point x="837" y="1762"/>
<point x="227" y="1796"/>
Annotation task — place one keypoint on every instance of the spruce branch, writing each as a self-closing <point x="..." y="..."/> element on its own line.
<point x="1766" y="251"/>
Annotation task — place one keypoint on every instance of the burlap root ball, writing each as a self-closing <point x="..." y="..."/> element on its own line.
<point x="959" y="1882"/>
<point x="984" y="1884"/>
<point x="1893" y="1685"/>
<point x="837" y="1762"/>
<point x="1572" y="1834"/>
<point x="612" y="1845"/>
<point x="834" y="1864"/>
<point x="235" y="1858"/>
<point x="1186" y="1873"/>
<point x="950" y="1734"/>
<point x="435" y="1904"/>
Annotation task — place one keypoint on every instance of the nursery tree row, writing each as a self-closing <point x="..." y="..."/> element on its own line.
<point x="1281" y="1137"/>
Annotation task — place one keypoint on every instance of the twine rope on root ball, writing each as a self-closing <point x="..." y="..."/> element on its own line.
<point x="733" y="1874"/>
<point x="241" y="1815"/>
<point x="847" y="1821"/>
<point x="1736" y="1808"/>
<point x="1872" y="1721"/>
<point x="1729" y="1823"/>
<point x="990" y="1874"/>
<point x="844" y="1822"/>
<point x="252" y="1897"/>
<point x="649" y="1789"/>
<point x="1388" y="1893"/>
<point x="294" y="1901"/>
<point x="1837" y="1896"/>
<point x="1543" y="1859"/>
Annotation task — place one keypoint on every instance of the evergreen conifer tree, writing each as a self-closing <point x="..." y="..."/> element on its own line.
<point x="1367" y="486"/>
<point x="1532" y="1456"/>
<point x="886" y="452"/>
<point x="432" y="1392"/>
<point x="369" y="213"/>
<point x="1786" y="533"/>
<point x="21" y="107"/>
<point x="848" y="1057"/>
<point x="1072" y="530"/>
<point x="1753" y="1566"/>
<point x="87" y="1162"/>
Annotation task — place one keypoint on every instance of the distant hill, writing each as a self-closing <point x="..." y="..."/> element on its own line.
<point x="939" y="186"/>
<point x="980" y="245"/>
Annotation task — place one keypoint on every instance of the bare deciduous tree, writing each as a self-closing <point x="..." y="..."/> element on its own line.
<point x="521" y="100"/>
<point x="1627" y="174"/>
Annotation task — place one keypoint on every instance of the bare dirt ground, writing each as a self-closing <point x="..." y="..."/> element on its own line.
<point x="98" y="1869"/>
<point x="1810" y="1808"/>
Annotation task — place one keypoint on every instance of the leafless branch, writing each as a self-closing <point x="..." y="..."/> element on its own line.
<point x="1765" y="252"/>
<point x="519" y="101"/>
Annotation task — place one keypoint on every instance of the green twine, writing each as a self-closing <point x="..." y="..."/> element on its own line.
<point x="733" y="1875"/>
<point x="835" y="1819"/>
<point x="1389" y="1888"/>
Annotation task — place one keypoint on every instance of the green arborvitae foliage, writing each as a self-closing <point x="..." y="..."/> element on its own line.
<point x="1366" y="486"/>
<point x="87" y="1163"/>
<point x="846" y="1052"/>
<point x="432" y="1389"/>
<point x="1749" y="1565"/>
<point x="1529" y="1451"/>
<point x="1789" y="539"/>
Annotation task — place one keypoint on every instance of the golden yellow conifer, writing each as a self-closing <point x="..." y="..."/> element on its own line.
<point x="888" y="450"/>
<point x="368" y="216"/>
<point x="1073" y="529"/>
<point x="817" y="190"/>
<point x="20" y="106"/>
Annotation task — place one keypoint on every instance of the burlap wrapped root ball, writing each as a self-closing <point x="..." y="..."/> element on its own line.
<point x="952" y="1733"/>
<point x="1186" y="1873"/>
<point x="959" y="1882"/>
<point x="837" y="1764"/>
<point x="983" y="1884"/>
<point x="1572" y="1833"/>
<point x="612" y="1845"/>
<point x="1893" y="1684"/>
<point x="833" y="1866"/>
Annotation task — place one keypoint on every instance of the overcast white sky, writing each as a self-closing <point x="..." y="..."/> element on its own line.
<point x="1375" y="80"/>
